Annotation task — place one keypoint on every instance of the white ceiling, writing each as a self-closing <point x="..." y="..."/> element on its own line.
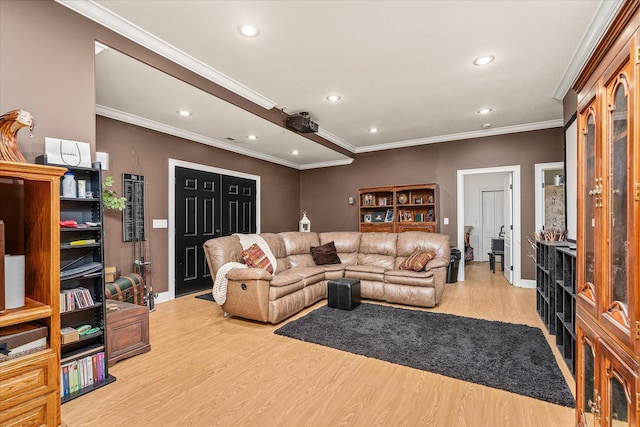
<point x="404" y="67"/>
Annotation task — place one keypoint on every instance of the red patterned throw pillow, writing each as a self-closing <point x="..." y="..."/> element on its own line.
<point x="255" y="257"/>
<point x="418" y="260"/>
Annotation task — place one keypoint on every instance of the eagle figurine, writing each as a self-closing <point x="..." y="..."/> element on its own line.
<point x="10" y="124"/>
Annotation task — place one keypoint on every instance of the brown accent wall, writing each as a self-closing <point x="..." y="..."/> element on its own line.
<point x="324" y="192"/>
<point x="46" y="68"/>
<point x="141" y="151"/>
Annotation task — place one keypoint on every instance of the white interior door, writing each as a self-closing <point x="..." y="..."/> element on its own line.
<point x="508" y="227"/>
<point x="492" y="219"/>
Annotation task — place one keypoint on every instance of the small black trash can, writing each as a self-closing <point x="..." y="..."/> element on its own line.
<point x="454" y="262"/>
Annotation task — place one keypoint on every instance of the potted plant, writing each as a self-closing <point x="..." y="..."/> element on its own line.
<point x="110" y="199"/>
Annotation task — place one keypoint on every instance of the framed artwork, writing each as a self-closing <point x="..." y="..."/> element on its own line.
<point x="367" y="200"/>
<point x="378" y="217"/>
<point x="382" y="201"/>
<point x="367" y="217"/>
<point x="389" y="216"/>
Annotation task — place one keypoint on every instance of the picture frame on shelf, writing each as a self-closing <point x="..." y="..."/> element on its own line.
<point x="430" y="216"/>
<point x="417" y="200"/>
<point x="378" y="217"/>
<point x="367" y="200"/>
<point x="367" y="218"/>
<point x="406" y="216"/>
<point x="389" y="216"/>
<point x="382" y="201"/>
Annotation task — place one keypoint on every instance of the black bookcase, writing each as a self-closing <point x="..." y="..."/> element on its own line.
<point x="555" y="294"/>
<point x="84" y="364"/>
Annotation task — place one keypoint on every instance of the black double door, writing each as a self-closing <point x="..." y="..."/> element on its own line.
<point x="207" y="205"/>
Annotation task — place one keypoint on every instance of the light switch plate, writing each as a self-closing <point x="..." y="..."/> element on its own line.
<point x="160" y="223"/>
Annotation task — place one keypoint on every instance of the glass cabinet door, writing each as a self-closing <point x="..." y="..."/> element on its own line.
<point x="619" y="389"/>
<point x="589" y="407"/>
<point x="617" y="192"/>
<point x="588" y="211"/>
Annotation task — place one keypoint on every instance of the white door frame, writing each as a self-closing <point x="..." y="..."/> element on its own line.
<point x="516" y="241"/>
<point x="540" y="169"/>
<point x="173" y="163"/>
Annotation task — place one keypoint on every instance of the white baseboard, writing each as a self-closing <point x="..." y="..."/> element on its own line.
<point x="526" y="283"/>
<point x="162" y="297"/>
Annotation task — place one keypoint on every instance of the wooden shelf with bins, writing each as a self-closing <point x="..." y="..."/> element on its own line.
<point x="89" y="256"/>
<point x="399" y="208"/>
<point x="30" y="210"/>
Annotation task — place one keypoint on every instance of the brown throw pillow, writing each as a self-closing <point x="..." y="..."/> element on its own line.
<point x="418" y="260"/>
<point x="255" y="257"/>
<point x="325" y="254"/>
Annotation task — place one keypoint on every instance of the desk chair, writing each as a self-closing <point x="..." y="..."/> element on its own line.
<point x="497" y="249"/>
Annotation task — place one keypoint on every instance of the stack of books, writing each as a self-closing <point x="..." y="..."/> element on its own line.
<point x="74" y="299"/>
<point x="81" y="373"/>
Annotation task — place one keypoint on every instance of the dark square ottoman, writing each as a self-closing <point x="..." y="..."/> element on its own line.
<point x="343" y="293"/>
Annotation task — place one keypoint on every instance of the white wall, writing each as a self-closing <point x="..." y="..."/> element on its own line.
<point x="473" y="187"/>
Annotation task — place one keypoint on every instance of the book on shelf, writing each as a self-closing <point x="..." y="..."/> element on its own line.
<point x="73" y="299"/>
<point x="82" y="373"/>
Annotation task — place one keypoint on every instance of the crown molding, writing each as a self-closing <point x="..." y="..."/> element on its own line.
<point x="463" y="135"/>
<point x="597" y="27"/>
<point x="125" y="28"/>
<point x="336" y="140"/>
<point x="170" y="130"/>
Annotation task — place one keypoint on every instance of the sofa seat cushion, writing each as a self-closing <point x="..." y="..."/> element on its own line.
<point x="308" y="275"/>
<point x="285" y="278"/>
<point x="410" y="277"/>
<point x="365" y="272"/>
<point x="276" y="292"/>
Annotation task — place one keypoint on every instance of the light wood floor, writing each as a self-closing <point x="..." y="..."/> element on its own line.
<point x="205" y="370"/>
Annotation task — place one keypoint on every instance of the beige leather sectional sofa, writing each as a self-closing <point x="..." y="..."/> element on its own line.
<point x="373" y="258"/>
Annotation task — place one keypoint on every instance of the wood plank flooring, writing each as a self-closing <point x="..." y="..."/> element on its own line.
<point x="207" y="370"/>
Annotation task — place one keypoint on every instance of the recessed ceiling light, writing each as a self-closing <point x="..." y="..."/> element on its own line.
<point x="486" y="125"/>
<point x="484" y="60"/>
<point x="252" y="137"/>
<point x="373" y="130"/>
<point x="333" y="98"/>
<point x="295" y="152"/>
<point x="484" y="110"/>
<point x="184" y="113"/>
<point x="248" y="30"/>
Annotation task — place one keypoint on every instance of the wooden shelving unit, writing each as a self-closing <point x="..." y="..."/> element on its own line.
<point x="399" y="208"/>
<point x="30" y="210"/>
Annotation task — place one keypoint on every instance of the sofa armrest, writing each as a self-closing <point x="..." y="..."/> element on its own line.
<point x="437" y="262"/>
<point x="249" y="274"/>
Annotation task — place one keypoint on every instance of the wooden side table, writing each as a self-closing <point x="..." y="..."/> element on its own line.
<point x="127" y="330"/>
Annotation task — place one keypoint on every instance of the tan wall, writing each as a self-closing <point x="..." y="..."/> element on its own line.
<point x="324" y="192"/>
<point x="140" y="151"/>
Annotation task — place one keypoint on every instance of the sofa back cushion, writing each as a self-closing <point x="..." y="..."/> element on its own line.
<point x="298" y="247"/>
<point x="411" y="241"/>
<point x="378" y="249"/>
<point x="277" y="248"/>
<point x="347" y="244"/>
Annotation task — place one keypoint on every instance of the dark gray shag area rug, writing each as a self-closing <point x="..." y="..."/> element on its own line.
<point x="507" y="356"/>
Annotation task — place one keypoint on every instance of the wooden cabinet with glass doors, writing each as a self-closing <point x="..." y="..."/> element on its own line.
<point x="607" y="312"/>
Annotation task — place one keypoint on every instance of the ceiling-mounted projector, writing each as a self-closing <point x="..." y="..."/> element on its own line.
<point x="302" y="123"/>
